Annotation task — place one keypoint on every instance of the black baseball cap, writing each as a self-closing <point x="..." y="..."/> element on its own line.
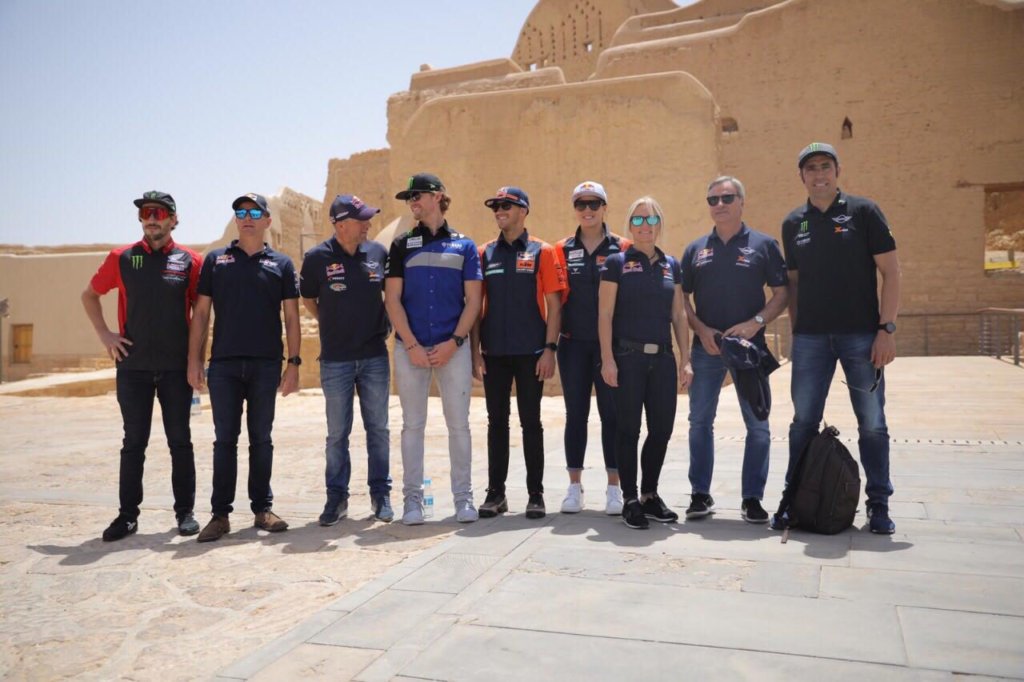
<point x="257" y="199"/>
<point x="513" y="195"/>
<point x="421" y="182"/>
<point x="155" y="197"/>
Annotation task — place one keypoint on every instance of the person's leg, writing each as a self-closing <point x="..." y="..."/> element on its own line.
<point x="497" y="393"/>
<point x="135" y="397"/>
<point x="755" y="452"/>
<point x="708" y="374"/>
<point x="262" y="378"/>
<point x="374" y="384"/>
<point x="660" y="406"/>
<point x="629" y="399"/>
<point x="607" y="411"/>
<point x="224" y="380"/>
<point x="576" y="374"/>
<point x="175" y="396"/>
<point x="813" y="363"/>
<point x="455" y="383"/>
<point x="338" y="381"/>
<point x="529" y="390"/>
<point x="413" y="384"/>
<point x="854" y="352"/>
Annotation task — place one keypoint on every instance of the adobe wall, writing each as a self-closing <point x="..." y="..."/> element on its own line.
<point x="367" y="176"/>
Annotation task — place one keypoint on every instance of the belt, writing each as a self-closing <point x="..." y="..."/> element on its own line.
<point x="645" y="348"/>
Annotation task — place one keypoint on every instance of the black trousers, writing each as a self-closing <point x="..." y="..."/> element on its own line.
<point x="501" y="371"/>
<point x="647" y="383"/>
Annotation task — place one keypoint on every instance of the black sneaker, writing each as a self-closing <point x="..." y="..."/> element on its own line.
<point x="753" y="512"/>
<point x="120" y="528"/>
<point x="187" y="524"/>
<point x="494" y="504"/>
<point x="535" y="507"/>
<point x="655" y="509"/>
<point x="334" y="511"/>
<point x="633" y="515"/>
<point x="701" y="505"/>
<point x="878" y="519"/>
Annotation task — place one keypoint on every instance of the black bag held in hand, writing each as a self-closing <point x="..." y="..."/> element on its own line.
<point x="823" y="495"/>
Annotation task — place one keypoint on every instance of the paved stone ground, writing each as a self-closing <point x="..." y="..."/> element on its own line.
<point x="568" y="597"/>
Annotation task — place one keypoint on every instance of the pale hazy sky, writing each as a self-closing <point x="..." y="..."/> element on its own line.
<point x="101" y="100"/>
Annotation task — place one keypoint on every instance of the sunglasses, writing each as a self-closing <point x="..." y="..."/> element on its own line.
<point x="726" y="199"/>
<point x="254" y="213"/>
<point x="415" y="196"/>
<point x="154" y="213"/>
<point x="504" y="206"/>
<point x="592" y="204"/>
<point x="638" y="220"/>
<point x="874" y="386"/>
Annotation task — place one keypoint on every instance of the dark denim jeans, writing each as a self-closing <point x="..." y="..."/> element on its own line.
<point x="135" y="391"/>
<point x="232" y="382"/>
<point x="579" y="368"/>
<point x="647" y="383"/>
<point x="708" y="375"/>
<point x="814" y="359"/>
<point x="340" y="381"/>
<point x="501" y="371"/>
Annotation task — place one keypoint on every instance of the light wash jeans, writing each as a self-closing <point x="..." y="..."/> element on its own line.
<point x="340" y="381"/>
<point x="455" y="382"/>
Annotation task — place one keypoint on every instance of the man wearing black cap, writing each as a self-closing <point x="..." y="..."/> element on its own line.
<point x="432" y="292"/>
<point x="156" y="285"/>
<point x="836" y="244"/>
<point x="246" y="284"/>
<point x="515" y="340"/>
<point x="725" y="272"/>
<point x="343" y="288"/>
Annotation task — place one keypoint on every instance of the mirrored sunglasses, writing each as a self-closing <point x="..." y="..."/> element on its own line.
<point x="254" y="213"/>
<point x="154" y="213"/>
<point x="638" y="220"/>
<point x="725" y="198"/>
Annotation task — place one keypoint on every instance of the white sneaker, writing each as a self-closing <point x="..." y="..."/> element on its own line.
<point x="613" y="501"/>
<point x="465" y="512"/>
<point x="412" y="514"/>
<point x="573" y="502"/>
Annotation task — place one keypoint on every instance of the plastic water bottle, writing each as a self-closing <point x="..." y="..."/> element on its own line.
<point x="196" y="407"/>
<point x="428" y="499"/>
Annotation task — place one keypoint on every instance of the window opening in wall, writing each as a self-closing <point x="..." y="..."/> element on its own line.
<point x="588" y="46"/>
<point x="847" y="129"/>
<point x="729" y="125"/>
<point x="1004" y="228"/>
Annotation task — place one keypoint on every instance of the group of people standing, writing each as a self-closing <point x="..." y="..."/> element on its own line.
<point x="601" y="308"/>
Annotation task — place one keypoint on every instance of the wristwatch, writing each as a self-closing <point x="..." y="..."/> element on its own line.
<point x="889" y="327"/>
<point x="759" y="320"/>
<point x="295" y="360"/>
<point x="459" y="340"/>
<point x="551" y="346"/>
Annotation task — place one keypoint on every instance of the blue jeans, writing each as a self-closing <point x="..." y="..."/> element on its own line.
<point x="708" y="375"/>
<point x="579" y="368"/>
<point x="135" y="390"/>
<point x="252" y="381"/>
<point x="340" y="381"/>
<point x="647" y="383"/>
<point x="814" y="359"/>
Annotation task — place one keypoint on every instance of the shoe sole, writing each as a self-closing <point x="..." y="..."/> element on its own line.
<point x="652" y="517"/>
<point x="188" y="531"/>
<point x="384" y="519"/>
<point x="536" y="514"/>
<point x="750" y="520"/>
<point x="271" y="529"/>
<point x="486" y="513"/>
<point x="636" y="526"/>
<point x="699" y="515"/>
<point x="210" y="539"/>
<point x="573" y="511"/>
<point x="884" y="532"/>
<point x="122" y="537"/>
<point x="414" y="522"/>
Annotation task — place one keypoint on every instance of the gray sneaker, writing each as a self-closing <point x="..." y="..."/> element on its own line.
<point x="465" y="512"/>
<point x="412" y="515"/>
<point x="382" y="510"/>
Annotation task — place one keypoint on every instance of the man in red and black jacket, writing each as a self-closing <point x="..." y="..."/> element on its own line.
<point x="156" y="283"/>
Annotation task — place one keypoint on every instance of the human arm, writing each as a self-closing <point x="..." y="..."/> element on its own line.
<point x="546" y="362"/>
<point x="293" y="339"/>
<point x="705" y="333"/>
<point x="400" y="321"/>
<point x="312" y="306"/>
<point x="772" y="309"/>
<point x="479" y="366"/>
<point x="472" y="290"/>
<point x="883" y="350"/>
<point x="606" y="295"/>
<point x="679" y="315"/>
<point x="197" y="332"/>
<point x="115" y="344"/>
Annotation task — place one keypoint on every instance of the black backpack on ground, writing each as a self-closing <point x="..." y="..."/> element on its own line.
<point x="823" y="495"/>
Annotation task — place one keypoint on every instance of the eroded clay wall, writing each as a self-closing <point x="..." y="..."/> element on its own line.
<point x="367" y="175"/>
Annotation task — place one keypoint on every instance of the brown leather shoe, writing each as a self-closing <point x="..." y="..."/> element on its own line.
<point x="270" y="522"/>
<point x="217" y="528"/>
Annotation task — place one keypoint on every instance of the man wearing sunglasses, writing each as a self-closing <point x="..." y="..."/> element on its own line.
<point x="515" y="340"/>
<point x="246" y="284"/>
<point x="343" y="288"/>
<point x="724" y="275"/>
<point x="836" y="245"/>
<point x="156" y="283"/>
<point x="432" y="292"/>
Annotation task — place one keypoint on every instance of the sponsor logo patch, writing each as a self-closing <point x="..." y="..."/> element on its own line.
<point x="577" y="254"/>
<point x="137" y="262"/>
<point x="335" y="269"/>
<point x="337" y="286"/>
<point x="225" y="258"/>
<point x="414" y="242"/>
<point x="525" y="262"/>
<point x="632" y="266"/>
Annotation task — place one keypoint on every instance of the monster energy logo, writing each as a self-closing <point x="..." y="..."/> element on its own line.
<point x="137" y="262"/>
<point x="803" y="226"/>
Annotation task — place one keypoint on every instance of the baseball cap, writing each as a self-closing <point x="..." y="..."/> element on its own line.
<point x="351" y="207"/>
<point x="512" y="195"/>
<point x="155" y="197"/>
<point x="421" y="182"/>
<point x="257" y="199"/>
<point x="592" y="188"/>
<point x="817" y="148"/>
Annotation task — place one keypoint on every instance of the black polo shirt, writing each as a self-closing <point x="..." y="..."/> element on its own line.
<point x="727" y="279"/>
<point x="833" y="253"/>
<point x="579" y="305"/>
<point x="517" y="276"/>
<point x="349" y="291"/>
<point x="643" y="305"/>
<point x="247" y="292"/>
